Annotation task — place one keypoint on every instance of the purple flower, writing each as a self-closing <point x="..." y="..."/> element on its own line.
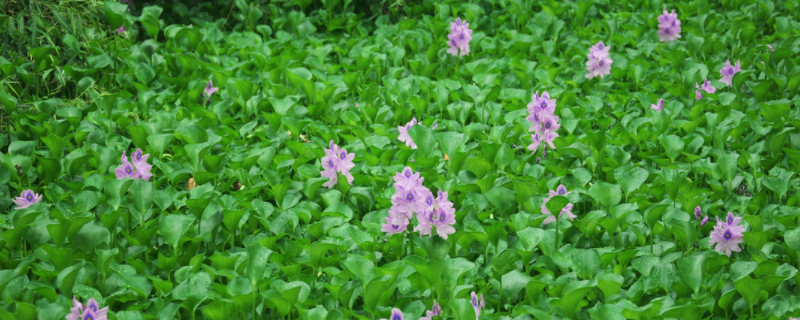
<point x="658" y="106"/>
<point x="599" y="64"/>
<point x="435" y="311"/>
<point x="121" y="30"/>
<point x="141" y="170"/>
<point x="536" y="141"/>
<point x="396" y="315"/>
<point x="704" y="221"/>
<point x="442" y="217"/>
<point x="728" y="71"/>
<point x="727" y="236"/>
<point x="707" y="87"/>
<point x="540" y="105"/>
<point x="26" y="199"/>
<point x="698" y="212"/>
<point x="404" y="137"/>
<point x="408" y="179"/>
<point x="395" y="223"/>
<point x="669" y="27"/>
<point x="142" y="167"/>
<point x="477" y="303"/>
<point x="406" y="199"/>
<point x="125" y="170"/>
<point x="336" y="160"/>
<point x="209" y="90"/>
<point x="771" y="48"/>
<point x="91" y="311"/>
<point x="561" y="190"/>
<point x="599" y="50"/>
<point x="434" y="125"/>
<point x="459" y="38"/>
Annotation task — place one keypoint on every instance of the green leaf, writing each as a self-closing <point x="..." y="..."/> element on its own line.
<point x="573" y="296"/>
<point x="423" y="137"/>
<point x="556" y="203"/>
<point x="673" y="145"/>
<point x="586" y="262"/>
<point x="513" y="282"/>
<point x="606" y="194"/>
<point x="690" y="269"/>
<point x="173" y="226"/>
<point x="749" y="288"/>
<point x="450" y="141"/>
<point x="257" y="262"/>
<point x="501" y="198"/>
<point x="792" y="238"/>
<point x="630" y="178"/>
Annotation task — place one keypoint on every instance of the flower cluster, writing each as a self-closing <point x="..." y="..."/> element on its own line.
<point x="477" y="304"/>
<point x="669" y="27"/>
<point x="138" y="169"/>
<point x="707" y="87"/>
<point x="435" y="311"/>
<point x="337" y="160"/>
<point x="90" y="311"/>
<point x="404" y="137"/>
<point x="728" y="71"/>
<point x="698" y="215"/>
<point x="599" y="63"/>
<point x="544" y="122"/>
<point x="26" y="199"/>
<point x="459" y="38"/>
<point x="412" y="197"/>
<point x="727" y="234"/>
<point x="560" y="191"/>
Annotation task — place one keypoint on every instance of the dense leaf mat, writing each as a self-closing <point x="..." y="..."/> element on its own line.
<point x="259" y="237"/>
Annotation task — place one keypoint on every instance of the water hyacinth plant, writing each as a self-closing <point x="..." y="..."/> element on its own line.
<point x="26" y="199"/>
<point x="436" y="310"/>
<point x="477" y="303"/>
<point x="208" y="91"/>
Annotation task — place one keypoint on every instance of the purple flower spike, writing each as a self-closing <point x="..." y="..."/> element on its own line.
<point x="669" y="27"/>
<point x="209" y="90"/>
<point x="658" y="106"/>
<point x="697" y="212"/>
<point x="336" y="160"/>
<point x="26" y="199"/>
<point x="459" y="38"/>
<point x="599" y="64"/>
<point x="121" y="30"/>
<point x="704" y="221"/>
<point x="728" y="71"/>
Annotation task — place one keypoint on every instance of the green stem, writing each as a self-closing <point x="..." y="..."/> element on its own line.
<point x="556" y="247"/>
<point x="411" y="244"/>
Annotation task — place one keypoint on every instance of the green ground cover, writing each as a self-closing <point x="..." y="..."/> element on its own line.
<point x="239" y="107"/>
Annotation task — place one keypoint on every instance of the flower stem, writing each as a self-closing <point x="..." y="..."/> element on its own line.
<point x="556" y="247"/>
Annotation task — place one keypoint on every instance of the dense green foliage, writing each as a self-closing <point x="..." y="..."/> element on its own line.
<point x="259" y="238"/>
